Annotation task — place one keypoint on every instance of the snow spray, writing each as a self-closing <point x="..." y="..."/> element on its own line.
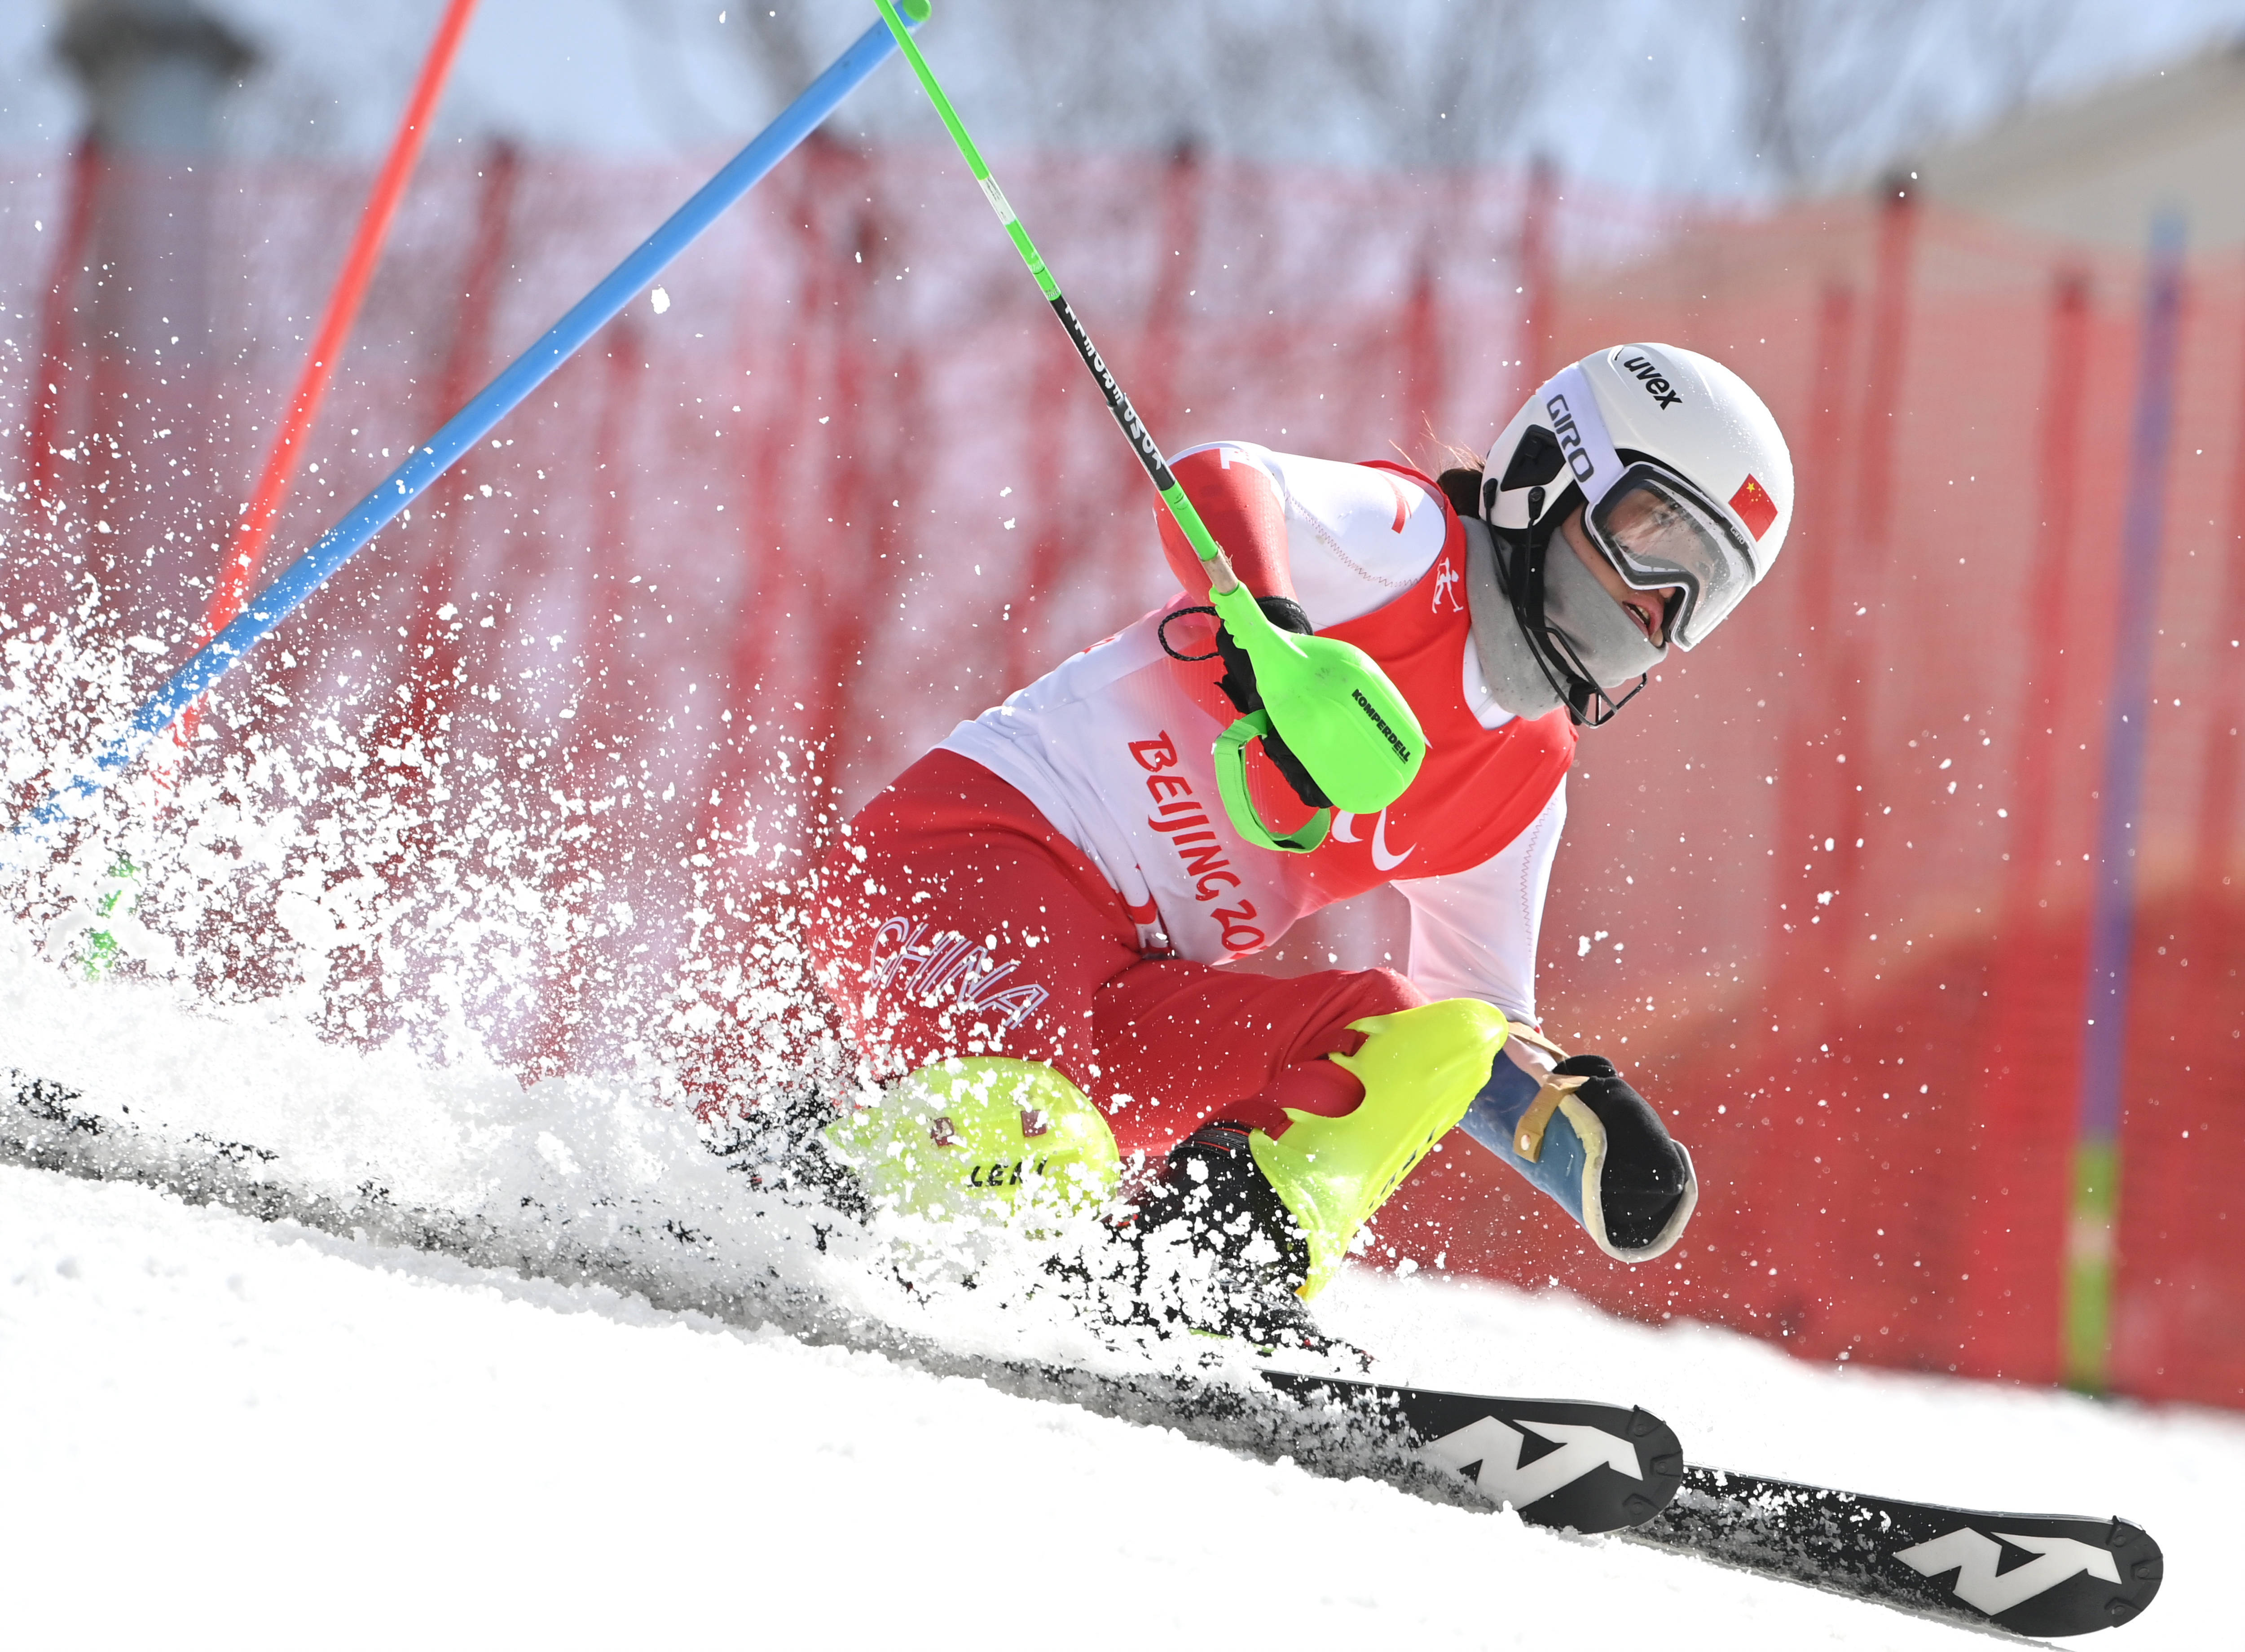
<point x="296" y="583"/>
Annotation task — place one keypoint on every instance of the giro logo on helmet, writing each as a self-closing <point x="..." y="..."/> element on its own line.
<point x="1656" y="385"/>
<point x="1570" y="439"/>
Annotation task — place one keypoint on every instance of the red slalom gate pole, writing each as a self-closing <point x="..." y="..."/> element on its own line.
<point x="44" y="424"/>
<point x="239" y="569"/>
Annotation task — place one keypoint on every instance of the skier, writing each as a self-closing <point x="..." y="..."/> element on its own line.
<point x="1022" y="931"/>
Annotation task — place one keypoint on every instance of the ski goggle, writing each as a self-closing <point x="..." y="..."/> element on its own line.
<point x="1659" y="530"/>
<point x="1656" y="528"/>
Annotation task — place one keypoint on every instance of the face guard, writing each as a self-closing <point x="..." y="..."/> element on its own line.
<point x="1655" y="527"/>
<point x="1522" y="563"/>
<point x="1557" y="472"/>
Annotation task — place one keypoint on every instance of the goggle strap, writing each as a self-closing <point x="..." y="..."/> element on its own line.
<point x="1572" y="408"/>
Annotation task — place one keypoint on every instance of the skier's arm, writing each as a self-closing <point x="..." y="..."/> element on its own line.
<point x="1339" y="540"/>
<point x="1473" y="933"/>
<point x="1318" y="542"/>
<point x="1246" y="514"/>
<point x="1570" y="1124"/>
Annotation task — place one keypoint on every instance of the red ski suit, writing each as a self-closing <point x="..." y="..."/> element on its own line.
<point x="1058" y="882"/>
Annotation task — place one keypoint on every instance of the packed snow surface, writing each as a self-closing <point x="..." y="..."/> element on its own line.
<point x="227" y="1432"/>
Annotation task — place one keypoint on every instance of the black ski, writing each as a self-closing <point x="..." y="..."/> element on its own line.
<point x="1562" y="1463"/>
<point x="2039" y="1575"/>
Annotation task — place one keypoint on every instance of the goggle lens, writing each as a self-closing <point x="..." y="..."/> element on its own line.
<point x="1660" y="532"/>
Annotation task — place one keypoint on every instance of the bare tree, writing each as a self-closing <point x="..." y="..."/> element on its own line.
<point x="1427" y="82"/>
<point x="1835" y="87"/>
<point x="1826" y="89"/>
<point x="1434" y="85"/>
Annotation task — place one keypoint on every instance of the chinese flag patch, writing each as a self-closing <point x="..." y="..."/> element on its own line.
<point x="1755" y="508"/>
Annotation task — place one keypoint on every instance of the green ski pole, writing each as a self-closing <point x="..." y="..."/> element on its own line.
<point x="1328" y="700"/>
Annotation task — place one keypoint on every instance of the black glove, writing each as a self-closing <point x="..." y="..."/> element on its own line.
<point x="1643" y="1182"/>
<point x="1238" y="685"/>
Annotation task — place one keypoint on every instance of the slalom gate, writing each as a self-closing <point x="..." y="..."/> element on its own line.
<point x="1829" y="892"/>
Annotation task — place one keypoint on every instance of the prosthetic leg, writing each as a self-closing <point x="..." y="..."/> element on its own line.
<point x="1589" y="1140"/>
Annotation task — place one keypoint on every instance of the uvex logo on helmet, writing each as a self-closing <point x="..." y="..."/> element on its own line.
<point x="1656" y="383"/>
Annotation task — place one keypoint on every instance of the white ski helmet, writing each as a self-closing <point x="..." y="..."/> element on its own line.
<point x="1683" y="477"/>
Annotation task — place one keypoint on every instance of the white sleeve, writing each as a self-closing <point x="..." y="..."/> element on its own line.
<point x="1357" y="537"/>
<point x="1473" y="933"/>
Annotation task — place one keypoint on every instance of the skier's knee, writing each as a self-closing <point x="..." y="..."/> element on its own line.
<point x="1383" y="992"/>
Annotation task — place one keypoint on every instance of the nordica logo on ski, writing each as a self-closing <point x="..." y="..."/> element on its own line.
<point x="1487" y="1453"/>
<point x="1974" y="1556"/>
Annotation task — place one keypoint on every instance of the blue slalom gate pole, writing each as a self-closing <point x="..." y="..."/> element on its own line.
<point x="264" y="611"/>
<point x="2088" y="1276"/>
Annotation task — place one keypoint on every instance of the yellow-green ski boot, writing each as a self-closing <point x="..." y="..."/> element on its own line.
<point x="1420" y="1069"/>
<point x="981" y="1136"/>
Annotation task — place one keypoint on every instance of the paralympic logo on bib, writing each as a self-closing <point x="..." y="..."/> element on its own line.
<point x="1343" y="831"/>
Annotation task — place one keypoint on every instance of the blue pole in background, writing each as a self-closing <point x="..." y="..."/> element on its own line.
<point x="2088" y="1277"/>
<point x="532" y="368"/>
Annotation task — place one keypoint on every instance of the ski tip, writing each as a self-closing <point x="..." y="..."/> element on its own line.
<point x="914" y="12"/>
<point x="2043" y="1575"/>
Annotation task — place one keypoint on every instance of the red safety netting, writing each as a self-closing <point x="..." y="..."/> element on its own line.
<point x="749" y="554"/>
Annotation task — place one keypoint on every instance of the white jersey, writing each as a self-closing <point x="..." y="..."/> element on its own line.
<point x="1112" y="748"/>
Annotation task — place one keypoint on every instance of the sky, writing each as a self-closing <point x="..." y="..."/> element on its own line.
<point x="1642" y="95"/>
